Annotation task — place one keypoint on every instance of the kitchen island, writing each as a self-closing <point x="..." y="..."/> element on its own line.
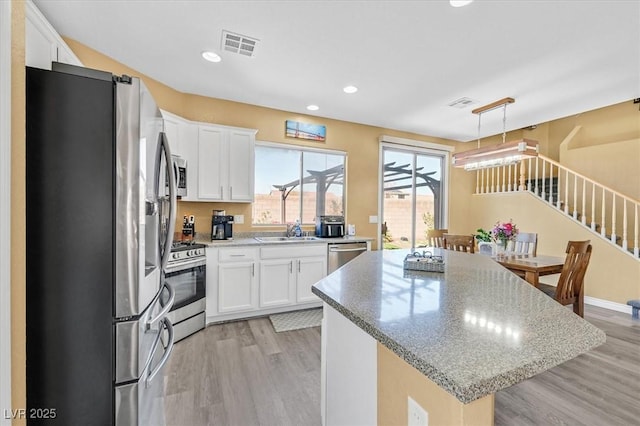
<point x="448" y="341"/>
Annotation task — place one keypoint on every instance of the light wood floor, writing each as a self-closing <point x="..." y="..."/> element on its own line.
<point x="243" y="373"/>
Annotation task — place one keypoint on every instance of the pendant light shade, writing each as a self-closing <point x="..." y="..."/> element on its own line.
<point x="502" y="154"/>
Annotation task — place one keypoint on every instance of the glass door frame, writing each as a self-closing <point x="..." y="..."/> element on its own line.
<point x="413" y="147"/>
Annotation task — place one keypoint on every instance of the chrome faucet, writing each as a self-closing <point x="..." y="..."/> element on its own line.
<point x="290" y="230"/>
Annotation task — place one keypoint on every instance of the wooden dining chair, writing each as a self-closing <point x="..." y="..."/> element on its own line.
<point x="465" y="243"/>
<point x="525" y="243"/>
<point x="435" y="237"/>
<point x="570" y="289"/>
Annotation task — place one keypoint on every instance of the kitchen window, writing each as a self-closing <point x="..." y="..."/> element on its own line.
<point x="295" y="183"/>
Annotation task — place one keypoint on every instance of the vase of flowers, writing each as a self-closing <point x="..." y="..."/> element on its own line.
<point x="502" y="233"/>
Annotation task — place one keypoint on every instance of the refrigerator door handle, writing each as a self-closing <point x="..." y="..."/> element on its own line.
<point x="167" y="352"/>
<point x="164" y="144"/>
<point x="166" y="308"/>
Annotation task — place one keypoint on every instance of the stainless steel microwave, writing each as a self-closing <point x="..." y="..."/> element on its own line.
<point x="180" y="171"/>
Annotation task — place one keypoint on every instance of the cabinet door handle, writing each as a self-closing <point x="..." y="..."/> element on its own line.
<point x="299" y="262"/>
<point x="221" y="192"/>
<point x="291" y="266"/>
<point x="253" y="269"/>
<point x="236" y="255"/>
<point x="231" y="192"/>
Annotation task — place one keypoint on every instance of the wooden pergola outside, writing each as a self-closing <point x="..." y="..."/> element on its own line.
<point x="394" y="175"/>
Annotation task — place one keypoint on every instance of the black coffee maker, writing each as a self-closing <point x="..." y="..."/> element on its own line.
<point x="221" y="227"/>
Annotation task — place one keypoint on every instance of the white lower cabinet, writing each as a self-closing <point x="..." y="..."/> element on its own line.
<point x="246" y="281"/>
<point x="293" y="269"/>
<point x="310" y="271"/>
<point x="277" y="283"/>
<point x="237" y="280"/>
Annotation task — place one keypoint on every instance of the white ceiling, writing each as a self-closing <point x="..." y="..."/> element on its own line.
<point x="409" y="59"/>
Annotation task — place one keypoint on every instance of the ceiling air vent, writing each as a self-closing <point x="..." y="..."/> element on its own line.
<point x="462" y="103"/>
<point x="238" y="43"/>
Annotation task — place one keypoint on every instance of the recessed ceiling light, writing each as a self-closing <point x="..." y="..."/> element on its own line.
<point x="313" y="107"/>
<point x="459" y="3"/>
<point x="350" y="89"/>
<point x="211" y="56"/>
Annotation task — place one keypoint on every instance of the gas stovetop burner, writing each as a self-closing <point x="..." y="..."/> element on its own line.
<point x="185" y="245"/>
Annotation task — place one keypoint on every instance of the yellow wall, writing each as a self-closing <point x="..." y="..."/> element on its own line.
<point x="604" y="163"/>
<point x="18" y="212"/>
<point x="397" y="381"/>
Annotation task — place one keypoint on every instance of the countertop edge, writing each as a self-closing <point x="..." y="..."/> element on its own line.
<point x="251" y="241"/>
<point x="463" y="394"/>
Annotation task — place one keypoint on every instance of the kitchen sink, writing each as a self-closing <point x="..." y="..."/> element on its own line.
<point x="285" y="239"/>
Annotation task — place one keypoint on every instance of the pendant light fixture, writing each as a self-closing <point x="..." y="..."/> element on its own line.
<point x="502" y="154"/>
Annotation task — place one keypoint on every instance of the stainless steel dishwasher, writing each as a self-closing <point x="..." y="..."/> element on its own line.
<point x="341" y="253"/>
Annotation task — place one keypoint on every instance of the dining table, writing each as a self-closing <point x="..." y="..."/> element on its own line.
<point x="531" y="267"/>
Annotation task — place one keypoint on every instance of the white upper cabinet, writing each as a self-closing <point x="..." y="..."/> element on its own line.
<point x="241" y="165"/>
<point x="220" y="159"/>
<point x="225" y="163"/>
<point x="211" y="150"/>
<point x="172" y="125"/>
<point x="43" y="44"/>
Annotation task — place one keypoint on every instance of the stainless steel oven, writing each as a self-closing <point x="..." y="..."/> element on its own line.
<point x="186" y="274"/>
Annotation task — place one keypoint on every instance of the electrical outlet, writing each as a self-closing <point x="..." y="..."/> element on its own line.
<point x="373" y="219"/>
<point x="238" y="218"/>
<point x="417" y="415"/>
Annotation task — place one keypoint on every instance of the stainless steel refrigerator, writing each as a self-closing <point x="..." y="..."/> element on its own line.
<point x="99" y="230"/>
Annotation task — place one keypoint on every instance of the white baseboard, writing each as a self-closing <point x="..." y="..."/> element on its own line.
<point x="607" y="304"/>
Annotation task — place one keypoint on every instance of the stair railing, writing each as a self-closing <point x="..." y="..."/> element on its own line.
<point x="594" y="205"/>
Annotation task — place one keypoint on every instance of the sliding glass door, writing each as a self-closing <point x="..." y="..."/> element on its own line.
<point x="413" y="195"/>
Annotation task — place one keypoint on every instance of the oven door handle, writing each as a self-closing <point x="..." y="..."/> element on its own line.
<point x="166" y="308"/>
<point x="178" y="266"/>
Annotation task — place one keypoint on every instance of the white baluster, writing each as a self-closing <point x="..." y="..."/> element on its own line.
<point x="575" y="197"/>
<point x="624" y="224"/>
<point x="529" y="181"/>
<point x="558" y="204"/>
<point x="613" y="218"/>
<point x="593" y="207"/>
<point x="504" y="179"/>
<point x="486" y="187"/>
<point x="521" y="182"/>
<point x="477" y="181"/>
<point x="544" y="175"/>
<point x="602" y="225"/>
<point x="551" y="183"/>
<point x="635" y="234"/>
<point x="584" y="206"/>
<point x="537" y="176"/>
<point x="493" y="179"/>
<point x="566" y="192"/>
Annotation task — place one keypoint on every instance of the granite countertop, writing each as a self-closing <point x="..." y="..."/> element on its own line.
<point x="248" y="239"/>
<point x="473" y="330"/>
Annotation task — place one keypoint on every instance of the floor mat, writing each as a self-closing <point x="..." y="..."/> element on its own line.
<point x="296" y="320"/>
